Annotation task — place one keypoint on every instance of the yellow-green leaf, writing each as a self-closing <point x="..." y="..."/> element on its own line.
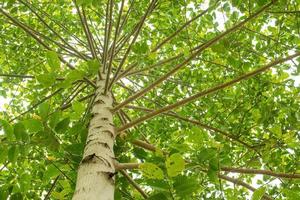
<point x="151" y="170"/>
<point x="175" y="164"/>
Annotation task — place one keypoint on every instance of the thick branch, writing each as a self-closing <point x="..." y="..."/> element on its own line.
<point x="198" y="49"/>
<point x="206" y="92"/>
<point x="121" y="166"/>
<point x="144" y="145"/>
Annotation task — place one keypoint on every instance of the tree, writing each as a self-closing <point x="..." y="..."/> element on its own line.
<point x="149" y="99"/>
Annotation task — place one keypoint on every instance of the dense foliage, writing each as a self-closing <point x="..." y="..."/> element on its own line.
<point x="50" y="53"/>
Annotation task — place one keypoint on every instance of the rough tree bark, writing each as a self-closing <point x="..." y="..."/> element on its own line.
<point x="95" y="179"/>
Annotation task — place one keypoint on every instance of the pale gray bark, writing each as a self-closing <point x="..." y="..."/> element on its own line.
<point x="95" y="179"/>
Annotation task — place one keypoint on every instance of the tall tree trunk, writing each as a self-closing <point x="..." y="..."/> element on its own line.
<point x="95" y="179"/>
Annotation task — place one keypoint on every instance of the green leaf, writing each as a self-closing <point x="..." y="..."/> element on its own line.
<point x="8" y="129"/>
<point x="93" y="66"/>
<point x="3" y="193"/>
<point x="13" y="153"/>
<point x="84" y="2"/>
<point x="276" y="129"/>
<point x="63" y="125"/>
<point x="20" y="133"/>
<point x="74" y="75"/>
<point x="151" y="170"/>
<point x="46" y="80"/>
<point x="50" y="173"/>
<point x="258" y="194"/>
<point x="158" y="196"/>
<point x="185" y="186"/>
<point x="78" y="108"/>
<point x="3" y="154"/>
<point x="53" y="60"/>
<point x="44" y="110"/>
<point x="33" y="125"/>
<point x="54" y="118"/>
<point x="58" y="195"/>
<point x="158" y="185"/>
<point x="71" y="77"/>
<point x="175" y="164"/>
<point x="212" y="175"/>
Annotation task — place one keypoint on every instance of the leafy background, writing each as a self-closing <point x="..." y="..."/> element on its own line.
<point x="44" y="146"/>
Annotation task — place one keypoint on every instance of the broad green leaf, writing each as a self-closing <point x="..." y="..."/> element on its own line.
<point x="58" y="195"/>
<point x="78" y="108"/>
<point x="20" y="132"/>
<point x="8" y="129"/>
<point x="3" y="193"/>
<point x="51" y="172"/>
<point x="185" y="186"/>
<point x="46" y="80"/>
<point x="3" y="154"/>
<point x="151" y="170"/>
<point x="93" y="66"/>
<point x="158" y="185"/>
<point x="84" y="2"/>
<point x="54" y="118"/>
<point x="62" y="125"/>
<point x="175" y="164"/>
<point x="74" y="75"/>
<point x="44" y="110"/>
<point x="158" y="196"/>
<point x="212" y="175"/>
<point x="13" y="153"/>
<point x="258" y="194"/>
<point x="16" y="196"/>
<point x="71" y="77"/>
<point x="33" y="125"/>
<point x="276" y="129"/>
<point x="53" y="60"/>
<point x="291" y="194"/>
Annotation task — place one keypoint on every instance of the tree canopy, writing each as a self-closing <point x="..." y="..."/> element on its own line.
<point x="206" y="105"/>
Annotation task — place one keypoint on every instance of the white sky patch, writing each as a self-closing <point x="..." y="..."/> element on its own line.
<point x="74" y="11"/>
<point x="3" y="101"/>
<point x="221" y="19"/>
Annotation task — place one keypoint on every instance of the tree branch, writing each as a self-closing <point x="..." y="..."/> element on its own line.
<point x="198" y="123"/>
<point x="241" y="183"/>
<point x="113" y="48"/>
<point x="51" y="29"/>
<point x="31" y="33"/>
<point x="144" y="145"/>
<point x="263" y="172"/>
<point x="205" y="92"/>
<point x="134" y="184"/>
<point x="197" y="51"/>
<point x="122" y="166"/>
<point x="37" y="104"/>
<point x="51" y="188"/>
<point x="140" y="24"/>
<point x="181" y="28"/>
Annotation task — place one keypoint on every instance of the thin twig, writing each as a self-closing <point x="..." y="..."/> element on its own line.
<point x="134" y="184"/>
